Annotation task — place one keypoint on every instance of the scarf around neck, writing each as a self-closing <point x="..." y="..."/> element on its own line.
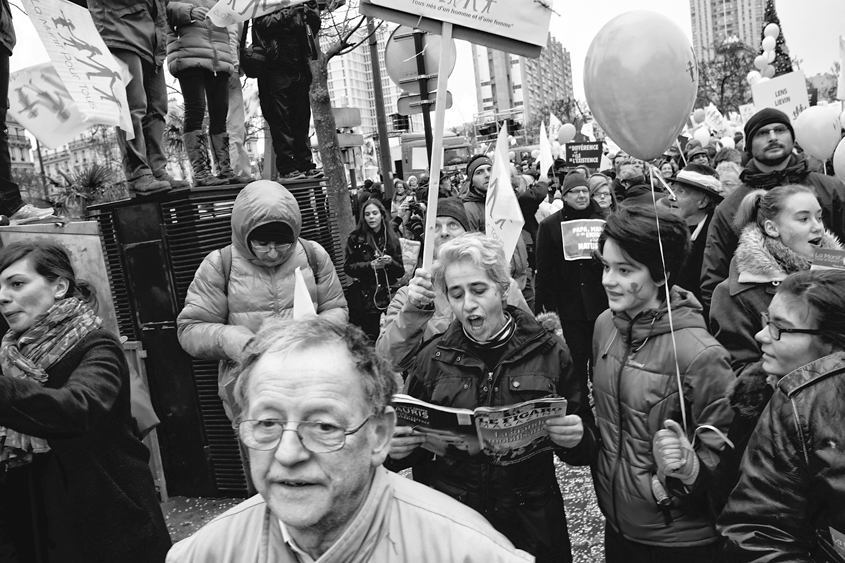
<point x="497" y="340"/>
<point x="30" y="354"/>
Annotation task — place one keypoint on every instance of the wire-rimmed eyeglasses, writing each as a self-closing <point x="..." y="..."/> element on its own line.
<point x="316" y="436"/>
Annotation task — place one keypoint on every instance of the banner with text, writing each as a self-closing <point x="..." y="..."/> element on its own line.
<point x="580" y="238"/>
<point x="586" y="154"/>
<point x="787" y="92"/>
<point x="230" y="12"/>
<point x="88" y="73"/>
<point x="521" y="20"/>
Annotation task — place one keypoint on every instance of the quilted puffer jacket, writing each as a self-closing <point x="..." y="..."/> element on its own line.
<point x="217" y="321"/>
<point x="196" y="44"/>
<point x="789" y="504"/>
<point x="635" y="389"/>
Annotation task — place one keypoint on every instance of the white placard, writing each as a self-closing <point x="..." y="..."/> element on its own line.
<point x="787" y="93"/>
<point x="230" y="12"/>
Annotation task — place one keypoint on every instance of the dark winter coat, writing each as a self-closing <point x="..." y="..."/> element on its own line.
<point x="570" y="288"/>
<point x="139" y="26"/>
<point x="196" y="44"/>
<point x="722" y="237"/>
<point x="761" y="263"/>
<point x="359" y="253"/>
<point x="635" y="390"/>
<point x="94" y="490"/>
<point x="7" y="30"/>
<point x="523" y="500"/>
<point x="791" y="492"/>
<point x="289" y="37"/>
<point x="690" y="275"/>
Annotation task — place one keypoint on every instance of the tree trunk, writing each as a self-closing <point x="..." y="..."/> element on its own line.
<point x="340" y="207"/>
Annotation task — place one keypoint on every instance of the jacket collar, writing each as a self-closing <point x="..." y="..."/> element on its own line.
<point x="686" y="313"/>
<point x="592" y="211"/>
<point x="815" y="371"/>
<point x="528" y="331"/>
<point x="794" y="173"/>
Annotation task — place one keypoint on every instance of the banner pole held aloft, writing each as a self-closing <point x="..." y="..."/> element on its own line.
<point x="437" y="149"/>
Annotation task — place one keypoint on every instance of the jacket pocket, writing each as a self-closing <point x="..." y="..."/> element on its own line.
<point x="525" y="387"/>
<point x="455" y="391"/>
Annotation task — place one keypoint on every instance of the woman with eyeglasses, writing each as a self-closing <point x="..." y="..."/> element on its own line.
<point x="602" y="193"/>
<point x="74" y="476"/>
<point x="789" y="504"/>
<point x="374" y="259"/>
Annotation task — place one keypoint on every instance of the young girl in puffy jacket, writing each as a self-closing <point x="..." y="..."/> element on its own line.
<point x="655" y="367"/>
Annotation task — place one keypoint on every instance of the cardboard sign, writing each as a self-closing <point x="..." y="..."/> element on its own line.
<point x="588" y="154"/>
<point x="787" y="93"/>
<point x="828" y="259"/>
<point x="746" y="111"/>
<point x="580" y="238"/>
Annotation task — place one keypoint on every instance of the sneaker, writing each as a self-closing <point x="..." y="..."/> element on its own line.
<point x="314" y="173"/>
<point x="147" y="184"/>
<point x="163" y="176"/>
<point x="295" y="175"/>
<point x="28" y="213"/>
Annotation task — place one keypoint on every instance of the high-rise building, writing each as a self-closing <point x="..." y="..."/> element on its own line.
<point x="515" y="87"/>
<point x="713" y="21"/>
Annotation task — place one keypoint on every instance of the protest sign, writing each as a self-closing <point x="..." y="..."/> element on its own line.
<point x="580" y="238"/>
<point x="840" y="85"/>
<point x="230" y="12"/>
<point x="302" y="303"/>
<point x="787" y="93"/>
<point x="828" y="259"/>
<point x="746" y="111"/>
<point x="87" y="75"/>
<point x="714" y="119"/>
<point x="503" y="217"/>
<point x="587" y="154"/>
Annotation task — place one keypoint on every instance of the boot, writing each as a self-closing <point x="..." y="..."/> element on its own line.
<point x="220" y="145"/>
<point x="197" y="148"/>
<point x="163" y="176"/>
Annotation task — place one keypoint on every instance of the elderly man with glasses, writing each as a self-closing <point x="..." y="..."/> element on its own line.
<point x="318" y="432"/>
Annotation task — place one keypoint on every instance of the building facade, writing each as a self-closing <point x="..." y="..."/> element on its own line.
<point x="716" y="20"/>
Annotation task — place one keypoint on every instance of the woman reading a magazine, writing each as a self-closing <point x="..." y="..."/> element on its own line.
<point x="494" y="355"/>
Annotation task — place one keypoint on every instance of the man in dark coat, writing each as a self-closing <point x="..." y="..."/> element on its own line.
<point x="769" y="141"/>
<point x="570" y="288"/>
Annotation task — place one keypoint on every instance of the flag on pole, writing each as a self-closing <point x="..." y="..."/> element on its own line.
<point x="840" y="92"/>
<point x="302" y="304"/>
<point x="546" y="158"/>
<point x="503" y="217"/>
<point x="554" y="126"/>
<point x="587" y="131"/>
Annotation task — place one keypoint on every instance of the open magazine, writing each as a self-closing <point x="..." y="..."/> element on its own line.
<point x="496" y="435"/>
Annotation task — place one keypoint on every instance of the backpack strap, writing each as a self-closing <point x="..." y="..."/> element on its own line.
<point x="226" y="256"/>
<point x="308" y="247"/>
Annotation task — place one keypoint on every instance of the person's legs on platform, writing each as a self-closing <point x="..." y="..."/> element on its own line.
<point x="236" y="128"/>
<point x="194" y="84"/>
<point x="154" y="122"/>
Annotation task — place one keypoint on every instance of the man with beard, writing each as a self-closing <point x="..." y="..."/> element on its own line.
<point x="769" y="141"/>
<point x="570" y="288"/>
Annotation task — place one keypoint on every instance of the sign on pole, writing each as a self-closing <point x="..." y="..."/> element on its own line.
<point x="787" y="92"/>
<point x="587" y="154"/>
<point x="410" y="105"/>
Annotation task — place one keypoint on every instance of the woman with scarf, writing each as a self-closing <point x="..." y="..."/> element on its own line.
<point x="76" y="486"/>
<point x="494" y="354"/>
<point x="780" y="232"/>
<point x="374" y="259"/>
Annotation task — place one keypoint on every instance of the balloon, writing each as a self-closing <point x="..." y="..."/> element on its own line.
<point x="772" y="30"/>
<point x="556" y="146"/>
<point x="698" y="116"/>
<point x="702" y="135"/>
<point x="535" y="153"/>
<point x="817" y="130"/>
<point x="566" y="133"/>
<point x="511" y="155"/>
<point x="644" y="120"/>
<point x="770" y="56"/>
<point x="754" y="77"/>
<point x="760" y="62"/>
<point x="769" y="43"/>
<point x="764" y="79"/>
<point x="728" y="142"/>
<point x="769" y="72"/>
<point x="839" y="161"/>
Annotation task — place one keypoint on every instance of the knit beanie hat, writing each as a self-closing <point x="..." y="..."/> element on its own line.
<point x="763" y="117"/>
<point x="475" y="162"/>
<point x="573" y="180"/>
<point x="277" y="232"/>
<point x="454" y="208"/>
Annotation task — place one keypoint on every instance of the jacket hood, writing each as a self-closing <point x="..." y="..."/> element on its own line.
<point x="794" y="173"/>
<point x="686" y="313"/>
<point x="260" y="203"/>
<point x="763" y="259"/>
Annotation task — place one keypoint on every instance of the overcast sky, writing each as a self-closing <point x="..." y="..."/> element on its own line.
<point x="811" y="29"/>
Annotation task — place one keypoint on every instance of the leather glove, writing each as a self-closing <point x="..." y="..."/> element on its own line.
<point x="674" y="455"/>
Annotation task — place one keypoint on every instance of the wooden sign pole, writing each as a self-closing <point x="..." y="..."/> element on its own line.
<point x="437" y="148"/>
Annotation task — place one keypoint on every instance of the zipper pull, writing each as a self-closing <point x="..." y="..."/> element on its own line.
<point x="490" y="379"/>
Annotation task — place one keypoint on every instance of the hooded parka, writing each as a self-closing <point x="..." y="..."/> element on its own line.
<point x="635" y="389"/>
<point x="217" y="321"/>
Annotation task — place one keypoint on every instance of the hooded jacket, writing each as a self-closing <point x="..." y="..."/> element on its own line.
<point x="289" y="38"/>
<point x="7" y="30"/>
<point x="131" y="25"/>
<point x="400" y="520"/>
<point x="722" y="238"/>
<point x="790" y="499"/>
<point x="196" y="44"/>
<point x="760" y="264"/>
<point x="217" y="322"/>
<point x="522" y="500"/>
<point x="635" y="389"/>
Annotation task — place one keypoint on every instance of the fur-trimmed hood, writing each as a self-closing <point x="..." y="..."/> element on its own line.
<point x="763" y="259"/>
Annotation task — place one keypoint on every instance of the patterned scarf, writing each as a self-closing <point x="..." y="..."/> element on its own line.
<point x="31" y="354"/>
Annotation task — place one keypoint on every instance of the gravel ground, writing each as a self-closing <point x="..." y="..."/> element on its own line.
<point x="185" y="516"/>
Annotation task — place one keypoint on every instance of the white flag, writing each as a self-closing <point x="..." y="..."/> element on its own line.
<point x="503" y="217"/>
<point x="840" y="92"/>
<point x="587" y="131"/>
<point x="302" y="304"/>
<point x="546" y="158"/>
<point x="230" y="12"/>
<point x="554" y="126"/>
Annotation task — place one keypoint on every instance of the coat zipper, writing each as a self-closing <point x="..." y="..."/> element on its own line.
<point x="618" y="462"/>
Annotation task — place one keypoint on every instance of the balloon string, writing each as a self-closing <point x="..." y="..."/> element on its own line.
<point x="668" y="304"/>
<point x="680" y="150"/>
